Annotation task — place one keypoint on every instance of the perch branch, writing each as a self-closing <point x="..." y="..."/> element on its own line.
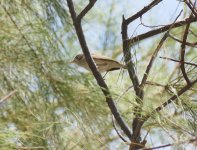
<point x="86" y="9"/>
<point x="97" y="75"/>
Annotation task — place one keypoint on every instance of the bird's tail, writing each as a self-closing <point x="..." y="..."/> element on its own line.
<point x="124" y="67"/>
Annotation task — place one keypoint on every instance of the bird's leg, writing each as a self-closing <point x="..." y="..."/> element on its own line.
<point x="105" y="74"/>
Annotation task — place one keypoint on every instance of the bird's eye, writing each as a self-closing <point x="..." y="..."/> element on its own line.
<point x="79" y="57"/>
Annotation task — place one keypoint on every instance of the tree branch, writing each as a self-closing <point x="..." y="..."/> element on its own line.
<point x="171" y="144"/>
<point x="182" y="54"/>
<point x="7" y="96"/>
<point x="160" y="30"/>
<point x="188" y="63"/>
<point x="126" y="47"/>
<point x="97" y="75"/>
<point x="124" y="140"/>
<point x="186" y="43"/>
<point x="142" y="11"/>
<point x="155" y="54"/>
<point x="86" y="9"/>
<point x="192" y="8"/>
<point x="137" y="123"/>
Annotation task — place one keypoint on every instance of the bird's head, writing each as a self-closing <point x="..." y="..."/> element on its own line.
<point x="77" y="59"/>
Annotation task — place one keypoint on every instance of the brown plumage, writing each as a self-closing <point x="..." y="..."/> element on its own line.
<point x="103" y="63"/>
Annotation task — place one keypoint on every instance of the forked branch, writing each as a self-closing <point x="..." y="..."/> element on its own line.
<point x="86" y="9"/>
<point x="160" y="30"/>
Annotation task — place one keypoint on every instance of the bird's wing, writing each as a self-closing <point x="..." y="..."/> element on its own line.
<point x="100" y="63"/>
<point x="99" y="56"/>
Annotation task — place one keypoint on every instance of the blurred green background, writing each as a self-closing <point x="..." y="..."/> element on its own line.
<point x="58" y="106"/>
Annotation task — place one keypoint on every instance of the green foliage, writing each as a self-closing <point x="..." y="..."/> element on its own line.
<point x="57" y="106"/>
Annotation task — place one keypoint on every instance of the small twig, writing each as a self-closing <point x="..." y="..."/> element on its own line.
<point x="188" y="63"/>
<point x="186" y="43"/>
<point x="7" y="96"/>
<point x="180" y="127"/>
<point x="142" y="11"/>
<point x="192" y="8"/>
<point x="155" y="84"/>
<point x="194" y="34"/>
<point x="171" y="144"/>
<point x="28" y="148"/>
<point x="150" y="26"/>
<point x="193" y="5"/>
<point x="117" y="130"/>
<point x="124" y="92"/>
<point x="149" y="66"/>
<point x="86" y="9"/>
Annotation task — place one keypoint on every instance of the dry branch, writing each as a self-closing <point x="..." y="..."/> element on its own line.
<point x="171" y="144"/>
<point x="188" y="63"/>
<point x="154" y="32"/>
<point x="137" y="123"/>
<point x="186" y="43"/>
<point x="182" y="54"/>
<point x="191" y="7"/>
<point x="7" y="96"/>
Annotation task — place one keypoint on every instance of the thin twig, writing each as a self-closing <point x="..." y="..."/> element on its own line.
<point x="7" y="96"/>
<point x="155" y="84"/>
<point x="142" y="11"/>
<point x="117" y="130"/>
<point x="150" y="26"/>
<point x="193" y="5"/>
<point x="186" y="43"/>
<point x="188" y="63"/>
<point x="86" y="9"/>
<point x="193" y="33"/>
<point x="192" y="8"/>
<point x="182" y="53"/>
<point x="171" y="144"/>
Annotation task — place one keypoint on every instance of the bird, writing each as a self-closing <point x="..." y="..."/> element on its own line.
<point x="103" y="63"/>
